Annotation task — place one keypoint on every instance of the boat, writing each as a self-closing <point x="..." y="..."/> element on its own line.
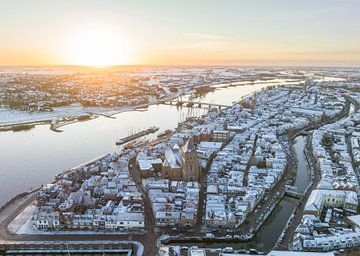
<point x="164" y="133"/>
<point x="137" y="135"/>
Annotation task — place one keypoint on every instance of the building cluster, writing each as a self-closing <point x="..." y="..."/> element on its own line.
<point x="251" y="165"/>
<point x="99" y="196"/>
<point x="240" y="151"/>
<point x="174" y="203"/>
<point x="330" y="219"/>
<point x="44" y="90"/>
<point x="40" y="92"/>
<point x="247" y="158"/>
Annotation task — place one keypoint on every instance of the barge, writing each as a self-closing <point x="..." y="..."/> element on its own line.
<point x="137" y="135"/>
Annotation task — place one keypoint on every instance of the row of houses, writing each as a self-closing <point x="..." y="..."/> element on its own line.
<point x="330" y="219"/>
<point x="250" y="166"/>
<point x="98" y="196"/>
<point x="174" y="203"/>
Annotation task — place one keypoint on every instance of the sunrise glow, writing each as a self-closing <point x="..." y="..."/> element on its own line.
<point x="96" y="47"/>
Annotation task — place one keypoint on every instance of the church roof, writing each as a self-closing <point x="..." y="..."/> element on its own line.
<point x="171" y="158"/>
<point x="176" y="147"/>
<point x="189" y="146"/>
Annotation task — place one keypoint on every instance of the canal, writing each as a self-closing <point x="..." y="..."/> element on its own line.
<point x="303" y="174"/>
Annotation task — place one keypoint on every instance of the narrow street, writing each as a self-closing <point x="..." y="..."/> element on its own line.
<point x="150" y="236"/>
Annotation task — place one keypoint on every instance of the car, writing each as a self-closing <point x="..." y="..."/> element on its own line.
<point x="228" y="249"/>
<point x="209" y="235"/>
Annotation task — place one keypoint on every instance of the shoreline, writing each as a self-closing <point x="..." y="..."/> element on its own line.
<point x="93" y="114"/>
<point x="111" y="112"/>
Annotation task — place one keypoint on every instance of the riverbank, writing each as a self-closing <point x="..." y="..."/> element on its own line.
<point x="61" y="118"/>
<point x="14" y="120"/>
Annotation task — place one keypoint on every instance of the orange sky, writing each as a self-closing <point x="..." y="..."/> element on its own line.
<point x="109" y="32"/>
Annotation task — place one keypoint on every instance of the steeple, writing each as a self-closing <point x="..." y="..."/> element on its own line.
<point x="189" y="146"/>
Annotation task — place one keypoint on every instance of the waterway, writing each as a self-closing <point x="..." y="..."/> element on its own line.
<point x="303" y="174"/>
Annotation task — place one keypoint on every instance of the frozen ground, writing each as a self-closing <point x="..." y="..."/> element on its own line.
<point x="13" y="117"/>
<point x="22" y="223"/>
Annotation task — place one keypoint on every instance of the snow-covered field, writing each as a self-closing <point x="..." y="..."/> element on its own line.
<point x="13" y="117"/>
<point x="22" y="223"/>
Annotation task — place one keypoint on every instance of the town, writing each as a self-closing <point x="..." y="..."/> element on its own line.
<point x="218" y="178"/>
<point x="180" y="128"/>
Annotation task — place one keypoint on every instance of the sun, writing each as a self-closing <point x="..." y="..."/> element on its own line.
<point x="98" y="47"/>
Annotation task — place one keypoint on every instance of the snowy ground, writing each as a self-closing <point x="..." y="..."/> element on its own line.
<point x="22" y="223"/>
<point x="10" y="117"/>
<point x="13" y="117"/>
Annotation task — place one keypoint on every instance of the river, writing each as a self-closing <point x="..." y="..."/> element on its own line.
<point x="33" y="157"/>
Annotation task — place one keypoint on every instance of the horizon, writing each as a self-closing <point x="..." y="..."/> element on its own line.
<point x="183" y="66"/>
<point x="107" y="33"/>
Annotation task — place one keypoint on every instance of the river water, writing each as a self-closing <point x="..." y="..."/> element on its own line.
<point x="303" y="174"/>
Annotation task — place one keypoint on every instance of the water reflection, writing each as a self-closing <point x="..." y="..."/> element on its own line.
<point x="303" y="174"/>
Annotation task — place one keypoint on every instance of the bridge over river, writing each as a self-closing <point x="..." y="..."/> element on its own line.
<point x="193" y="104"/>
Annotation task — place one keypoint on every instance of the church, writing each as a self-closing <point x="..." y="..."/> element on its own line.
<point x="181" y="163"/>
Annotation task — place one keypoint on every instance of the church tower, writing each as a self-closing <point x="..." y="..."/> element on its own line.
<point x="190" y="162"/>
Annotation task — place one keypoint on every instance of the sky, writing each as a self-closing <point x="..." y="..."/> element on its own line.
<point x="180" y="32"/>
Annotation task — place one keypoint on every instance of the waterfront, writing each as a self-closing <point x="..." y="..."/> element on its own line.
<point x="86" y="140"/>
<point x="33" y="157"/>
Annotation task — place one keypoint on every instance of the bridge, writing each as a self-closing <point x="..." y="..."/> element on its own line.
<point x="294" y="194"/>
<point x="193" y="104"/>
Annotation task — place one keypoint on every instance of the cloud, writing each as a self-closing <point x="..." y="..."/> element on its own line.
<point x="202" y="41"/>
<point x="206" y="37"/>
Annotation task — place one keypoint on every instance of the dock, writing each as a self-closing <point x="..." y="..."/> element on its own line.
<point x="137" y="135"/>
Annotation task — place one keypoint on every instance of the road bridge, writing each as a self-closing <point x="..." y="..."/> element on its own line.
<point x="197" y="104"/>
